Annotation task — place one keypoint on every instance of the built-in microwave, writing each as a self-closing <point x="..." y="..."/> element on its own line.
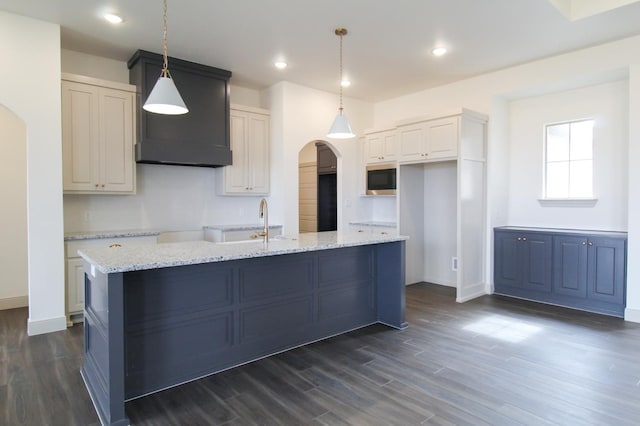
<point x="381" y="179"/>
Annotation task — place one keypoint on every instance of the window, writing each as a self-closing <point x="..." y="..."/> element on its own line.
<point x="569" y="160"/>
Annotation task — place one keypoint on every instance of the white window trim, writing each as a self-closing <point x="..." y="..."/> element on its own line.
<point x="567" y="202"/>
<point x="564" y="202"/>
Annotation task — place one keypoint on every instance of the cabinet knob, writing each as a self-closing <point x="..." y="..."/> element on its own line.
<point x="384" y="233"/>
<point x="519" y="239"/>
<point x="97" y="185"/>
<point x="524" y="238"/>
<point x="102" y="186"/>
<point x="584" y="243"/>
<point x="590" y="243"/>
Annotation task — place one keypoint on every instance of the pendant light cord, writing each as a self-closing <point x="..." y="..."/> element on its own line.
<point x="165" y="63"/>
<point x="341" y="32"/>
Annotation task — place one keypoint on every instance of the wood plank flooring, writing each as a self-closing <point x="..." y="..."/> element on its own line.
<point x="490" y="361"/>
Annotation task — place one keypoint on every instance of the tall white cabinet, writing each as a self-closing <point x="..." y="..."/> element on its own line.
<point x="441" y="199"/>
<point x="249" y="173"/>
<point x="98" y="128"/>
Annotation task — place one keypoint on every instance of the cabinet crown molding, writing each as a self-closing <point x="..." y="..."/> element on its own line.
<point x="98" y="82"/>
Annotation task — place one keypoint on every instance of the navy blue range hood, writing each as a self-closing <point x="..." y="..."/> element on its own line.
<point x="197" y="138"/>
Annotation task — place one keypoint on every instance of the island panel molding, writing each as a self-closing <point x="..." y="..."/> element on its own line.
<point x="147" y="330"/>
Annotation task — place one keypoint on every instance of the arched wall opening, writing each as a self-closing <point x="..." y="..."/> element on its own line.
<point x="319" y="187"/>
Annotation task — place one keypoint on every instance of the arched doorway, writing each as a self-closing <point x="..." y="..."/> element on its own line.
<point x="13" y="226"/>
<point x="317" y="188"/>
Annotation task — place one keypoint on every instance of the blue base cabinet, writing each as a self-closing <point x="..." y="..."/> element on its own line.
<point x="577" y="269"/>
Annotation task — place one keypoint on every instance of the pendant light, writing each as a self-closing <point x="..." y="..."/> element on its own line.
<point x="164" y="98"/>
<point x="341" y="129"/>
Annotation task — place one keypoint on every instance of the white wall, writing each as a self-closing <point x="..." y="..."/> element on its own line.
<point x="301" y="115"/>
<point x="632" y="312"/>
<point x="489" y="94"/>
<point x="13" y="224"/>
<point x="110" y="69"/>
<point x="607" y="104"/>
<point x="30" y="87"/>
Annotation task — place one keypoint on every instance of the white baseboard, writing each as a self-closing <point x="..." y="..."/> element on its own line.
<point x="14" y="302"/>
<point x="471" y="292"/>
<point x="48" y="325"/>
<point x="632" y="315"/>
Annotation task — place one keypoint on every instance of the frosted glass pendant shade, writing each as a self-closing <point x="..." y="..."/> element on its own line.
<point x="165" y="99"/>
<point x="341" y="129"/>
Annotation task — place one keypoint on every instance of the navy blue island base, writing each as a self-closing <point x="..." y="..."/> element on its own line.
<point x="151" y="329"/>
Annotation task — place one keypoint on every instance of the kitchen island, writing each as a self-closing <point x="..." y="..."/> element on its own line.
<point x="160" y="315"/>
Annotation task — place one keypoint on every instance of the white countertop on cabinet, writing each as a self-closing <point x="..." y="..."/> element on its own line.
<point x="91" y="235"/>
<point x="374" y="223"/>
<point x="125" y="259"/>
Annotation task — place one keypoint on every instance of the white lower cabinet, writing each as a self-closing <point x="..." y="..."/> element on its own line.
<point x="75" y="272"/>
<point x="373" y="229"/>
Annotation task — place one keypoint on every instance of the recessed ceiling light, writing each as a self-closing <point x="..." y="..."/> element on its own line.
<point x="345" y="83"/>
<point x="280" y="65"/>
<point x="113" y="18"/>
<point x="439" y="51"/>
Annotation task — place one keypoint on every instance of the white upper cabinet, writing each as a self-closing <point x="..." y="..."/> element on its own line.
<point x="429" y="140"/>
<point x="380" y="146"/>
<point x="98" y="127"/>
<point x="249" y="174"/>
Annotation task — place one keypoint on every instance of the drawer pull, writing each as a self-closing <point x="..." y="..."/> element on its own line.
<point x="115" y="245"/>
<point x="590" y="243"/>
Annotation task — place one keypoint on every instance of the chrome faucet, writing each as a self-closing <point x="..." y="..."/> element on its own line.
<point x="264" y="214"/>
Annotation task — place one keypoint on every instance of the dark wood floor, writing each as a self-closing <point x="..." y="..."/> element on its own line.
<point x="491" y="361"/>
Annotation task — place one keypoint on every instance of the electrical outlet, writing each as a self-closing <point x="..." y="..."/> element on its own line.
<point x="454" y="264"/>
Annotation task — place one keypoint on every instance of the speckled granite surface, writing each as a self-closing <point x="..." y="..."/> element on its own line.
<point x="123" y="259"/>
<point x="245" y="227"/>
<point x="91" y="235"/>
<point x="373" y="223"/>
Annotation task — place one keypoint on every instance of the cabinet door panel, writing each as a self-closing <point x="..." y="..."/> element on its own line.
<point x="442" y="138"/>
<point x="258" y="153"/>
<point x="80" y="136"/>
<point x="570" y="266"/>
<point x="235" y="175"/>
<point x="116" y="140"/>
<point x="506" y="262"/>
<point x="537" y="262"/>
<point x="389" y="145"/>
<point x="373" y="148"/>
<point x="606" y="274"/>
<point x="412" y="142"/>
<point x="75" y="286"/>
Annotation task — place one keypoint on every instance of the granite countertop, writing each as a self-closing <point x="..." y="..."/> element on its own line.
<point x="91" y="235"/>
<point x="242" y="227"/>
<point x="374" y="223"/>
<point x="124" y="259"/>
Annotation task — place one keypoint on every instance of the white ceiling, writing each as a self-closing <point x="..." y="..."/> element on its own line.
<point x="387" y="50"/>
